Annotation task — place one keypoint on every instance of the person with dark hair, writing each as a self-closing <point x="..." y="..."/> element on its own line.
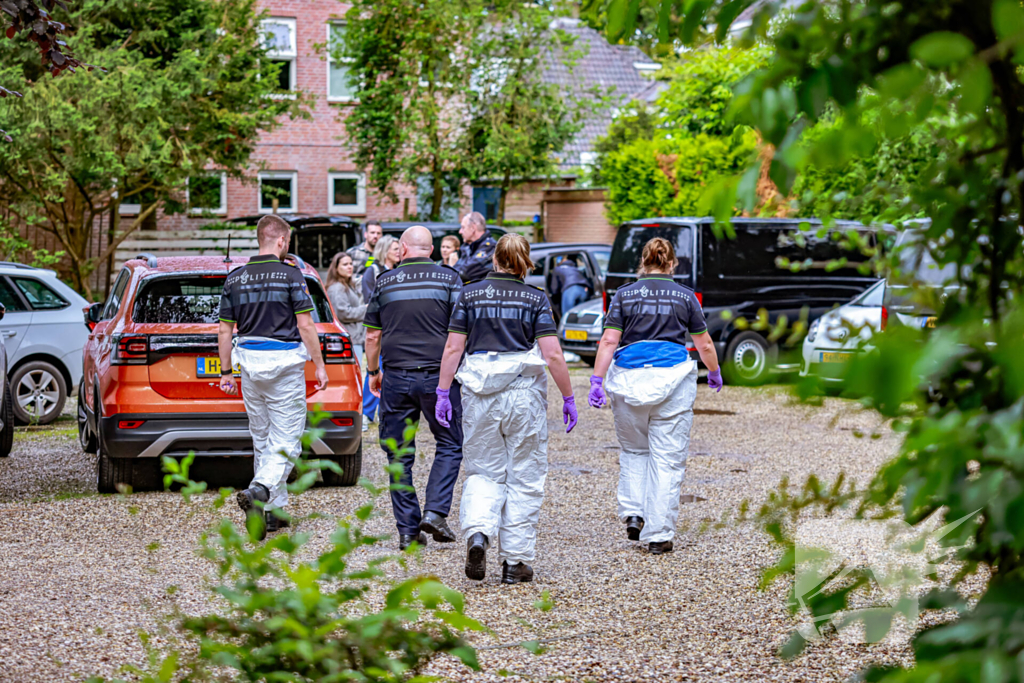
<point x="268" y="301"/>
<point x="476" y="254"/>
<point x="386" y="256"/>
<point x="651" y="385"/>
<point x="362" y="253"/>
<point x="407" y="323"/>
<point x="507" y="332"/>
<point x="346" y="296"/>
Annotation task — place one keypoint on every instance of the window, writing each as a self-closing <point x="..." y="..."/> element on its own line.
<point x="39" y="296"/>
<point x="346" y="192"/>
<point x="338" y="87"/>
<point x="116" y="292"/>
<point x="208" y="193"/>
<point x="279" y="185"/>
<point x="134" y="201"/>
<point x="629" y="244"/>
<point x="10" y="300"/>
<point x="873" y="297"/>
<point x="279" y="39"/>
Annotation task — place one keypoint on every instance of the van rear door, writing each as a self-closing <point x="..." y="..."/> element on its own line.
<point x="627" y="251"/>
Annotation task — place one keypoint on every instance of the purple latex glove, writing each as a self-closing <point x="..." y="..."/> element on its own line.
<point x="569" y="414"/>
<point x="715" y="379"/>
<point x="596" y="397"/>
<point x="443" y="408"/>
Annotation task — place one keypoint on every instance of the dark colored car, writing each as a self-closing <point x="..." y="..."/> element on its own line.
<point x="316" y="238"/>
<point x="151" y="369"/>
<point x="591" y="259"/>
<point x="741" y="276"/>
<point x="437" y="230"/>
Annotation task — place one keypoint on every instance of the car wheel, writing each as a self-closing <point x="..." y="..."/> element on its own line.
<point x="86" y="436"/>
<point x="746" y="359"/>
<point x="7" y="433"/>
<point x="351" y="466"/>
<point x="39" y="393"/>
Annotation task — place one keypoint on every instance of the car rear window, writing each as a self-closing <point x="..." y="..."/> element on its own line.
<point x="195" y="300"/>
<point x="629" y="247"/>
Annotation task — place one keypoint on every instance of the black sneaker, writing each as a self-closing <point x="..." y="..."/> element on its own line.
<point x="274" y="523"/>
<point x="519" y="572"/>
<point x="247" y="500"/>
<point x="476" y="556"/>
<point x="634" y="525"/>
<point x="437" y="526"/>
<point x="660" y="548"/>
<point x="406" y="540"/>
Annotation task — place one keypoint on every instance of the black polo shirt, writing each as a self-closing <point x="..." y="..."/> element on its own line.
<point x="262" y="298"/>
<point x="655" y="308"/>
<point x="411" y="305"/>
<point x="501" y="313"/>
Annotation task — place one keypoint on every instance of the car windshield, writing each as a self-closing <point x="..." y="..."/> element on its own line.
<point x="195" y="300"/>
<point x="630" y="241"/>
<point x="917" y="261"/>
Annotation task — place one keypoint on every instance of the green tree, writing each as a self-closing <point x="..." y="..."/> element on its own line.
<point x="957" y="391"/>
<point x="637" y="121"/>
<point x="519" y="122"/>
<point x="409" y="64"/>
<point x="181" y="93"/>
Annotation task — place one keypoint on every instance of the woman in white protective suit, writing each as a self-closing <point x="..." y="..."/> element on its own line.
<point x="508" y="334"/>
<point x="651" y="384"/>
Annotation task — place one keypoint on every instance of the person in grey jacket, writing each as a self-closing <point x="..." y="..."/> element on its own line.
<point x="347" y="298"/>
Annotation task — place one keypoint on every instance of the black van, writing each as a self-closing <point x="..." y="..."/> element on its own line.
<point x="741" y="276"/>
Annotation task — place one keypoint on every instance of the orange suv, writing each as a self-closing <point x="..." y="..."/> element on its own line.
<point x="151" y="373"/>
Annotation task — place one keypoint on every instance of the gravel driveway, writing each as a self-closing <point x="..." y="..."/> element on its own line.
<point x="83" y="573"/>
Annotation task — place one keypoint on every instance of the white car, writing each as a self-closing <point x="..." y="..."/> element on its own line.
<point x="841" y="333"/>
<point x="44" y="331"/>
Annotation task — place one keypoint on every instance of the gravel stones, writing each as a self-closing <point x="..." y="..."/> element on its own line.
<point x="83" y="573"/>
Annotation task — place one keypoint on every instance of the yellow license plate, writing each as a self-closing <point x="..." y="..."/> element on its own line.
<point x="206" y="366"/>
<point x="576" y="335"/>
<point x="931" y="322"/>
<point x="835" y="357"/>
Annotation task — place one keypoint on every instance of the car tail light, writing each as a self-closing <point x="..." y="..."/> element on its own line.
<point x="131" y="350"/>
<point x="700" y="298"/>
<point x="604" y="301"/>
<point x="885" y="317"/>
<point x="129" y="424"/>
<point x="343" y="421"/>
<point x="337" y="348"/>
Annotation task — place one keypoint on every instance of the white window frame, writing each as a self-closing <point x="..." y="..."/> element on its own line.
<point x="291" y="55"/>
<point x="222" y="209"/>
<point x="277" y="175"/>
<point x="360" y="206"/>
<point x="331" y="62"/>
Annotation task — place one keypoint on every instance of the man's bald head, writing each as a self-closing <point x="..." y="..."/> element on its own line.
<point x="417" y="242"/>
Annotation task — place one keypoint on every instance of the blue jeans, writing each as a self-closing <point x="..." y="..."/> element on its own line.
<point x="573" y="296"/>
<point x="370" y="402"/>
<point x="404" y="395"/>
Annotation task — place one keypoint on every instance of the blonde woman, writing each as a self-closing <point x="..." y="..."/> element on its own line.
<point x="386" y="256"/>
<point x="508" y="334"/>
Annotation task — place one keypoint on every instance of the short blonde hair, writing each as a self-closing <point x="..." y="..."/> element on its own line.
<point x="512" y="255"/>
<point x="451" y="239"/>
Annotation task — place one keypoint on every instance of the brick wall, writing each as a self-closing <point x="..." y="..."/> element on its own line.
<point x="572" y="215"/>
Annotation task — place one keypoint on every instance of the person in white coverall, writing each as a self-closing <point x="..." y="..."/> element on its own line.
<point x="268" y="301"/>
<point x="508" y="333"/>
<point x="652" y="384"/>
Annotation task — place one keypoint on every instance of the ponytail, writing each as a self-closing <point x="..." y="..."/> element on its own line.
<point x="659" y="256"/>
<point x="512" y="255"/>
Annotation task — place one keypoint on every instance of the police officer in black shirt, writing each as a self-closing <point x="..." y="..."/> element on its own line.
<point x="268" y="301"/>
<point x="476" y="254"/>
<point x="407" y="325"/>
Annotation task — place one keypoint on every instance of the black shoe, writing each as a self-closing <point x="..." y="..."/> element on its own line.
<point x="274" y="523"/>
<point x="633" y="526"/>
<point x="516" y="573"/>
<point x="476" y="556"/>
<point x="406" y="540"/>
<point x="437" y="526"/>
<point x="247" y="502"/>
<point x="660" y="548"/>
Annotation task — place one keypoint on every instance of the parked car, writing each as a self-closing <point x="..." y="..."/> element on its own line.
<point x="316" y="238"/>
<point x="437" y="230"/>
<point x="934" y="284"/>
<point x="581" y="328"/>
<point x="836" y="337"/>
<point x="43" y="335"/>
<point x="151" y="372"/>
<point x="741" y="276"/>
<point x="591" y="258"/>
<point x="6" y="409"/>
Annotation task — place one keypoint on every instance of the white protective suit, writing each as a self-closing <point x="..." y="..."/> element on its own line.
<point x="653" y="410"/>
<point x="274" y="392"/>
<point x="504" y="448"/>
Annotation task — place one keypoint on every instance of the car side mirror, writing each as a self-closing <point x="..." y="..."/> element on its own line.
<point x="94" y="313"/>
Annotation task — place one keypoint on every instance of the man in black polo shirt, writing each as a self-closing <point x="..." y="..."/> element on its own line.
<point x="407" y="327"/>
<point x="269" y="302"/>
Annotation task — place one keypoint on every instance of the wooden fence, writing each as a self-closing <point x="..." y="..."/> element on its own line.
<point x="185" y="243"/>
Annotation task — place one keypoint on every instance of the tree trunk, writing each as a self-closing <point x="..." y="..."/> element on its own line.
<point x="438" y="187"/>
<point x="506" y="185"/>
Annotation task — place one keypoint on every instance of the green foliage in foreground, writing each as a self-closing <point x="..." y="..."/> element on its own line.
<point x="287" y="616"/>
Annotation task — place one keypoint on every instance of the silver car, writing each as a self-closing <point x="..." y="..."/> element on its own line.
<point x="44" y="333"/>
<point x="580" y="330"/>
<point x="834" y="338"/>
